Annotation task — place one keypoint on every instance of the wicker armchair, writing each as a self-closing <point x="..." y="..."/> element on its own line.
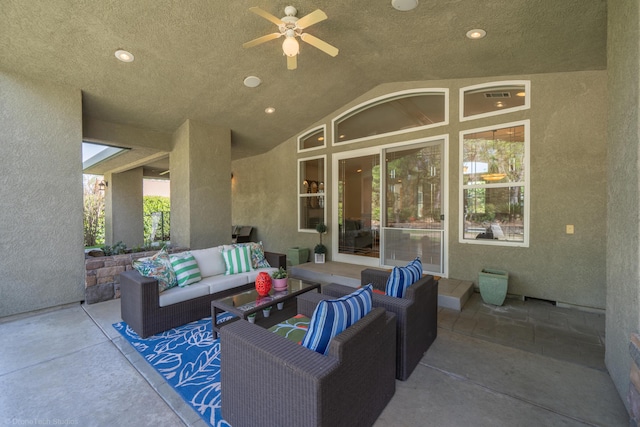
<point x="269" y="380"/>
<point x="416" y="315"/>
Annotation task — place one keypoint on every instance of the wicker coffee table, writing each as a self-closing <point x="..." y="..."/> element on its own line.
<point x="247" y="302"/>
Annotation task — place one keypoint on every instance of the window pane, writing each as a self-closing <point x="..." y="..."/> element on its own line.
<point x="311" y="193"/>
<point x="414" y="197"/>
<point x="393" y="114"/>
<point x="494" y="213"/>
<point x="359" y="205"/>
<point x="312" y="176"/>
<point x="494" y="156"/>
<point x="495" y="99"/>
<point x="311" y="211"/>
<point x="312" y="140"/>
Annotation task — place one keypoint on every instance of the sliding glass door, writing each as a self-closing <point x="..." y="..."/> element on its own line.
<point x="389" y="212"/>
<point x="358" y="207"/>
<point x="413" y="218"/>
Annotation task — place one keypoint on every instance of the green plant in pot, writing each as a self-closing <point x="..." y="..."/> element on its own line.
<point x="280" y="279"/>
<point x="320" y="250"/>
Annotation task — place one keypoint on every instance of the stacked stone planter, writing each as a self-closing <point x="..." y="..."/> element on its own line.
<point x="101" y="278"/>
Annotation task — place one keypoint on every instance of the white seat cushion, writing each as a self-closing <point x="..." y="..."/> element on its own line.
<point x="177" y="294"/>
<point x="222" y="282"/>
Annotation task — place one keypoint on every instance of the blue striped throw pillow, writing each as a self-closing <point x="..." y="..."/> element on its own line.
<point x="415" y="267"/>
<point x="334" y="316"/>
<point x="186" y="268"/>
<point x="238" y="260"/>
<point x="398" y="282"/>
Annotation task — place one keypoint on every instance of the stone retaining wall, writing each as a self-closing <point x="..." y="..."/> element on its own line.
<point x="102" y="274"/>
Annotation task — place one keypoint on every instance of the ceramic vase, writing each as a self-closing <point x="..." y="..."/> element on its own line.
<point x="263" y="283"/>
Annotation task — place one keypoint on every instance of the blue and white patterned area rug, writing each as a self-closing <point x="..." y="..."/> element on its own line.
<point x="188" y="358"/>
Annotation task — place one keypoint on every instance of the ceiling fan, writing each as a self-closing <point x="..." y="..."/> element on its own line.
<point x="291" y="27"/>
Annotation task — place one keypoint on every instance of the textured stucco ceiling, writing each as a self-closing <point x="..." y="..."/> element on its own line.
<point x="190" y="62"/>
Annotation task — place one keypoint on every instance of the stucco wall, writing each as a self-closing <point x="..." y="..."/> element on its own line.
<point x="41" y="236"/>
<point x="568" y="186"/>
<point x="200" y="185"/>
<point x="623" y="273"/>
<point x="124" y="208"/>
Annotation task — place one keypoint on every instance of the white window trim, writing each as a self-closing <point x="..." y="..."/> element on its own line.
<point x="379" y="149"/>
<point x="306" y="134"/>
<point x="526" y="184"/>
<point x="527" y="98"/>
<point x="380" y="100"/>
<point x="300" y="195"/>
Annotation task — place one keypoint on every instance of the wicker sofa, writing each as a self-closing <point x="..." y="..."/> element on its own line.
<point x="272" y="381"/>
<point x="148" y="312"/>
<point x="417" y="315"/>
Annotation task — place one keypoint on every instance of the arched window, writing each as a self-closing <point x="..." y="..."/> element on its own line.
<point x="395" y="113"/>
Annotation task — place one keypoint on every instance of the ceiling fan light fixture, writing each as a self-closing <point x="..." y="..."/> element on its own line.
<point x="404" y="5"/>
<point x="290" y="46"/>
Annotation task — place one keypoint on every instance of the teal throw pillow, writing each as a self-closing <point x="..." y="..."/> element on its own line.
<point x="258" y="259"/>
<point x="238" y="260"/>
<point x="157" y="267"/>
<point x="186" y="268"/>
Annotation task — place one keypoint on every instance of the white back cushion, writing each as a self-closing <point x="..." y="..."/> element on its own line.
<point x="210" y="261"/>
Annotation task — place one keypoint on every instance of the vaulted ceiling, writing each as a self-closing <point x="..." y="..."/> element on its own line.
<point x="190" y="63"/>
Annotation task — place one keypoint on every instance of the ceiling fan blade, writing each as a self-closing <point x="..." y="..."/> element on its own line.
<point x="292" y="62"/>
<point x="266" y="15"/>
<point x="261" y="40"/>
<point x="322" y="45"/>
<point x="312" y="18"/>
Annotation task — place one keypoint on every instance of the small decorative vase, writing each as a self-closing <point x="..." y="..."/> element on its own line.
<point x="280" y="305"/>
<point x="280" y="284"/>
<point x="263" y="283"/>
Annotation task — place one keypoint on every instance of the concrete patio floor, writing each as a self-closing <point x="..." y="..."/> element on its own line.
<point x="522" y="364"/>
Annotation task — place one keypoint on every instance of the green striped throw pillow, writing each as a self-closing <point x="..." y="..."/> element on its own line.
<point x="238" y="260"/>
<point x="186" y="268"/>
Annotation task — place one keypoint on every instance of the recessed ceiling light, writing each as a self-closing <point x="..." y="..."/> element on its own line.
<point x="252" y="81"/>
<point x="269" y="110"/>
<point x="124" y="56"/>
<point x="404" y="5"/>
<point x="476" y="34"/>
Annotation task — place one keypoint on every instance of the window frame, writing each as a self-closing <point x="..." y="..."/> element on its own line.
<point x="307" y="134"/>
<point x="301" y="195"/>
<point x="380" y="100"/>
<point x="497" y="85"/>
<point x="526" y="184"/>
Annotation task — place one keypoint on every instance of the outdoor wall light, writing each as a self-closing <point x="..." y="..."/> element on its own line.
<point x="103" y="185"/>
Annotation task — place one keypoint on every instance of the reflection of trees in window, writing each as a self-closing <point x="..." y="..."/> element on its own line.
<point x="493" y="165"/>
<point x="413" y="187"/>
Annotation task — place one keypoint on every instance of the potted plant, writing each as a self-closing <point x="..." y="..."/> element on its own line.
<point x="266" y="311"/>
<point x="320" y="250"/>
<point x="251" y="318"/>
<point x="280" y="279"/>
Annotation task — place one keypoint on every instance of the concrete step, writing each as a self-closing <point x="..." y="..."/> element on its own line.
<point x="452" y="293"/>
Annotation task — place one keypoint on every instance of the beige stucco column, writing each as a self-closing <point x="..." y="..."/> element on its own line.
<point x="123" y="208"/>
<point x="200" y="185"/>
